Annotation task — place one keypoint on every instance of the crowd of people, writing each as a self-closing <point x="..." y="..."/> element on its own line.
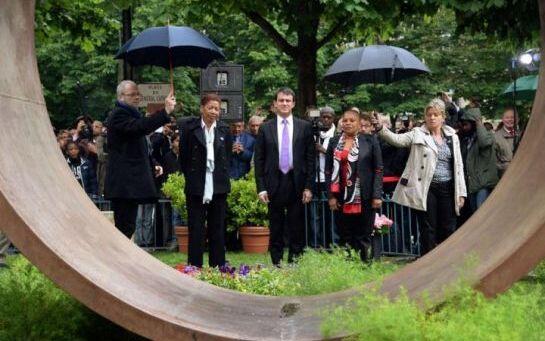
<point x="444" y="167"/>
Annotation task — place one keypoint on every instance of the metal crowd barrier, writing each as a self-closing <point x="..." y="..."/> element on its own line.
<point x="154" y="230"/>
<point x="401" y="241"/>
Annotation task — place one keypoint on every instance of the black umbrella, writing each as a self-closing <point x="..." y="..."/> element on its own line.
<point x="169" y="47"/>
<point x="374" y="64"/>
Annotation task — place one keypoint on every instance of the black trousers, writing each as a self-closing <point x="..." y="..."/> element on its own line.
<point x="355" y="230"/>
<point x="214" y="213"/>
<point x="438" y="222"/>
<point x="125" y="215"/>
<point x="286" y="206"/>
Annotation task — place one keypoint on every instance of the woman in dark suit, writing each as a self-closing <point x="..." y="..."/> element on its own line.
<point x="205" y="146"/>
<point x="354" y="174"/>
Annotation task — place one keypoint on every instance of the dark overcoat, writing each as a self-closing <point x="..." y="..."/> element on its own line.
<point x="129" y="173"/>
<point x="193" y="156"/>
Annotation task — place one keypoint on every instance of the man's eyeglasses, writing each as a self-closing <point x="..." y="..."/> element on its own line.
<point x="132" y="94"/>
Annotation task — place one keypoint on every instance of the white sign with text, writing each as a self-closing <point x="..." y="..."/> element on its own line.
<point x="153" y="93"/>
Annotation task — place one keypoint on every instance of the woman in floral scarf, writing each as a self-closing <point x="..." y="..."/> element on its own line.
<point x="354" y="172"/>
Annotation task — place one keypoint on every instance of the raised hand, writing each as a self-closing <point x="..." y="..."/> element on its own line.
<point x="170" y="102"/>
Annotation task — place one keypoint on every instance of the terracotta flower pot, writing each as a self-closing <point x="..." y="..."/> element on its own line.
<point x="182" y="235"/>
<point x="255" y="239"/>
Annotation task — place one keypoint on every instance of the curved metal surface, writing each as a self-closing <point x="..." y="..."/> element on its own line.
<point x="50" y="219"/>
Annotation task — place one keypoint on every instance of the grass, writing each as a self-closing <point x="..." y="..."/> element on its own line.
<point x="33" y="308"/>
<point x="322" y="272"/>
<point x="518" y="314"/>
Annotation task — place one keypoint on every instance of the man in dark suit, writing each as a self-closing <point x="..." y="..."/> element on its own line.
<point x="205" y="145"/>
<point x="284" y="169"/>
<point x="129" y="176"/>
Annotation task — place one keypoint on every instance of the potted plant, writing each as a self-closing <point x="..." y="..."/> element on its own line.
<point x="173" y="188"/>
<point x="248" y="215"/>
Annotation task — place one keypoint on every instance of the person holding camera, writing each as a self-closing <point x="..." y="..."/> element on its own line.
<point x="284" y="173"/>
<point x="433" y="181"/>
<point x="453" y="112"/>
<point x="242" y="151"/>
<point x="479" y="155"/>
<point x="83" y="137"/>
<point x="322" y="232"/>
<point x="84" y="130"/>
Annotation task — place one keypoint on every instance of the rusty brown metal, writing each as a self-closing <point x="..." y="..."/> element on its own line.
<point x="50" y="219"/>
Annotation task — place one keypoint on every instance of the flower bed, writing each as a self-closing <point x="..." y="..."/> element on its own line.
<point x="337" y="270"/>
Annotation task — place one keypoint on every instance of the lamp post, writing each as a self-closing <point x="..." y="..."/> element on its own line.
<point x="529" y="60"/>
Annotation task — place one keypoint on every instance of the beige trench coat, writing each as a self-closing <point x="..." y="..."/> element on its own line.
<point x="421" y="166"/>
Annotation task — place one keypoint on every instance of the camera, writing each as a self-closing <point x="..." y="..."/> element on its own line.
<point x="317" y="125"/>
<point x="86" y="133"/>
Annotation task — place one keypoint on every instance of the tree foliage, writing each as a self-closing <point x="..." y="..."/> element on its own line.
<point x="74" y="51"/>
<point x="471" y="64"/>
<point x="517" y="20"/>
<point x="300" y="28"/>
<point x="76" y="42"/>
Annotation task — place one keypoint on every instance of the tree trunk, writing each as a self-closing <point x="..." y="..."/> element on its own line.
<point x="307" y="48"/>
<point x="306" y="79"/>
<point x="126" y="34"/>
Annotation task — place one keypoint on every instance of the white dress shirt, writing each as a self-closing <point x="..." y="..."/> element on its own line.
<point x="209" y="178"/>
<point x="280" y="130"/>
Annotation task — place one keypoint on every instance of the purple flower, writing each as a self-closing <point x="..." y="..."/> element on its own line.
<point x="190" y="269"/>
<point x="244" y="270"/>
<point x="227" y="270"/>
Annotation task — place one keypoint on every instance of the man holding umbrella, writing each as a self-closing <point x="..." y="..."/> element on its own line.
<point x="130" y="172"/>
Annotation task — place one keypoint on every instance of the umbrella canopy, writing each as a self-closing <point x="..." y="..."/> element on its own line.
<point x="374" y="64"/>
<point x="525" y="87"/>
<point x="170" y="46"/>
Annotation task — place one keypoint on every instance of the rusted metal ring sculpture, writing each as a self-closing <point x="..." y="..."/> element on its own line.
<point x="51" y="220"/>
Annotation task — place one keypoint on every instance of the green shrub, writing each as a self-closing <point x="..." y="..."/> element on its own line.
<point x="32" y="308"/>
<point x="244" y="207"/>
<point x="174" y="188"/>
<point x="336" y="271"/>
<point x="539" y="272"/>
<point x="518" y="314"/>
